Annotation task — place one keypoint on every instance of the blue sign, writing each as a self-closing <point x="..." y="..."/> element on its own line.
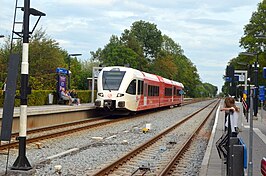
<point x="62" y="70"/>
<point x="181" y="92"/>
<point x="228" y="79"/>
<point x="261" y="93"/>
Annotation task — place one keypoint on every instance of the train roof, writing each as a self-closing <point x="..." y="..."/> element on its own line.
<point x="144" y="75"/>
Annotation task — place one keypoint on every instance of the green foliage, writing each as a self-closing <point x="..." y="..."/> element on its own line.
<point x="210" y="90"/>
<point x="143" y="47"/>
<point x="256" y="27"/>
<point x="164" y="66"/>
<point x="40" y="97"/>
<point x="148" y="36"/>
<point x="45" y="56"/>
<point x="171" y="47"/>
<point x="252" y="43"/>
<point x="85" y="96"/>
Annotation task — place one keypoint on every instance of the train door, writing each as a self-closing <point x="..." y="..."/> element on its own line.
<point x="173" y="93"/>
<point x="131" y="91"/>
<point x="139" y="92"/>
<point x="145" y="93"/>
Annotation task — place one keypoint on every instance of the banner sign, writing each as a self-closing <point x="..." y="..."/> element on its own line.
<point x="62" y="82"/>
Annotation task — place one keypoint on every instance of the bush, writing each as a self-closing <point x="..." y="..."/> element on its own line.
<point x="40" y="97"/>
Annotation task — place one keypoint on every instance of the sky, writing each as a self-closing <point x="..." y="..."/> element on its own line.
<point x="207" y="30"/>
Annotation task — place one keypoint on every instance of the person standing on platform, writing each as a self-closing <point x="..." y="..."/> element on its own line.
<point x="229" y="103"/>
<point x="4" y="88"/>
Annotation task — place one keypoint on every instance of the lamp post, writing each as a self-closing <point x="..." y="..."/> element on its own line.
<point x="69" y="72"/>
<point x="253" y="93"/>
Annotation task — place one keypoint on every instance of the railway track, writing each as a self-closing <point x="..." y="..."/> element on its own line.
<point x="35" y="135"/>
<point x="152" y="157"/>
<point x="60" y="130"/>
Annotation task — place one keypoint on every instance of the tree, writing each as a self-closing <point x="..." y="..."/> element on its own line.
<point x="256" y="27"/>
<point x="116" y="53"/>
<point x="164" y="66"/>
<point x="252" y="43"/>
<point x="5" y="54"/>
<point x="45" y="56"/>
<point x="148" y="36"/>
<point x="144" y="48"/>
<point x="171" y="47"/>
<point x="210" y="89"/>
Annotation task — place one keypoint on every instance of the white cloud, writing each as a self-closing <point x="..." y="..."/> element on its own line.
<point x="119" y="14"/>
<point x="88" y="3"/>
<point x="208" y="31"/>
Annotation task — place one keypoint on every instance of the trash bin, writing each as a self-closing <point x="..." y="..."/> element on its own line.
<point x="50" y="98"/>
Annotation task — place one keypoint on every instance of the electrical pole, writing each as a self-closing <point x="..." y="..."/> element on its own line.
<point x="256" y="86"/>
<point x="22" y="162"/>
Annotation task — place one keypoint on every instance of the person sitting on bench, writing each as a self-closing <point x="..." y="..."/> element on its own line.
<point x="65" y="96"/>
<point x="74" y="95"/>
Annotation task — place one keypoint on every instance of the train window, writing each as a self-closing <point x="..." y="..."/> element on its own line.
<point x="157" y="91"/>
<point x="150" y="90"/>
<point x="140" y="87"/>
<point x="177" y="92"/>
<point x="145" y="89"/>
<point x="168" y="91"/>
<point x="132" y="87"/>
<point x="112" y="79"/>
<point x="174" y="90"/>
<point x="153" y="90"/>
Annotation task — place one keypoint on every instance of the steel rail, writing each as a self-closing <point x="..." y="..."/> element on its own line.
<point x="169" y="168"/>
<point x="110" y="168"/>
<point x="69" y="131"/>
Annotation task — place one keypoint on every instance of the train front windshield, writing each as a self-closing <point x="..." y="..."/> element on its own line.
<point x="112" y="79"/>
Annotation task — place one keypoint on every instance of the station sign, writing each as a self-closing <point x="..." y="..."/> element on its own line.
<point x="228" y="79"/>
<point x="261" y="93"/>
<point x="241" y="78"/>
<point x="61" y="70"/>
<point x="181" y="92"/>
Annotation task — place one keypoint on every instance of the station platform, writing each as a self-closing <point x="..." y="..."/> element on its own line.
<point x="50" y="109"/>
<point x="48" y="115"/>
<point x="212" y="165"/>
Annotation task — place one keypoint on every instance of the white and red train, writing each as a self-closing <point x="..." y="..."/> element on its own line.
<point x="128" y="89"/>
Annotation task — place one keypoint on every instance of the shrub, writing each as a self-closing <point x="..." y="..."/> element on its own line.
<point x="40" y="97"/>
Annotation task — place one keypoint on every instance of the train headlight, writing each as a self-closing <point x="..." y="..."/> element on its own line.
<point x="100" y="94"/>
<point x="119" y="95"/>
<point x="121" y="104"/>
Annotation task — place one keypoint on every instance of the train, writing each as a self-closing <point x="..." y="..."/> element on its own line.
<point x="124" y="89"/>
